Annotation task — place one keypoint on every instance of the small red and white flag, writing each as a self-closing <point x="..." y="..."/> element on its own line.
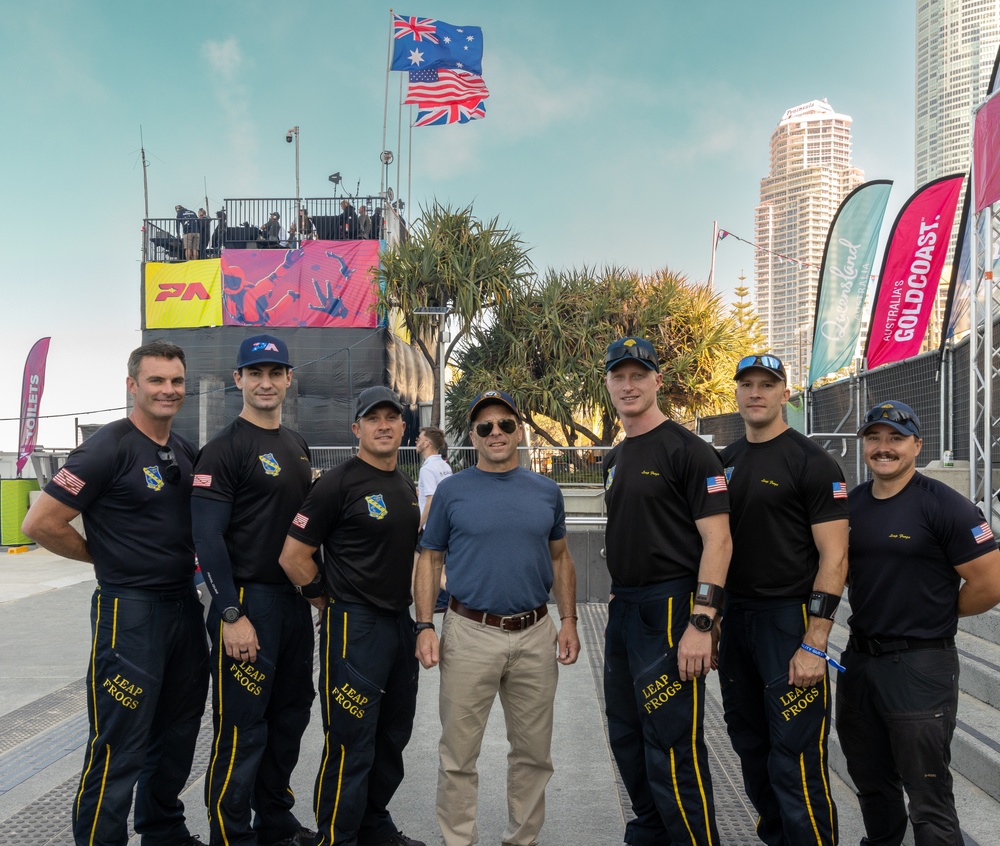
<point x="982" y="533"/>
<point x="300" y="520"/>
<point x="840" y="490"/>
<point x="203" y="480"/>
<point x="69" y="482"/>
<point x="716" y="484"/>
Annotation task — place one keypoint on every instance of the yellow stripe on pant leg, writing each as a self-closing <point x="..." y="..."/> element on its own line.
<point x="694" y="758"/>
<point x="93" y="694"/>
<point x="220" y="651"/>
<point x="677" y="797"/>
<point x="805" y="795"/>
<point x="222" y="793"/>
<point x="100" y="796"/>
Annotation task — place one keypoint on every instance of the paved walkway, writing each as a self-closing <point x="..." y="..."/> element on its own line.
<point x="44" y="638"/>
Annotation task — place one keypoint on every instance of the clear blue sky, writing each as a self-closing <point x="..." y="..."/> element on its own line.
<point x="610" y="139"/>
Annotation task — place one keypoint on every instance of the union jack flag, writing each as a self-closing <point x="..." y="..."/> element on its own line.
<point x="716" y="484"/>
<point x="982" y="533"/>
<point x="71" y="483"/>
<point x="446" y="113"/>
<point x="840" y="490"/>
<point x="419" y="28"/>
<point x="300" y="520"/>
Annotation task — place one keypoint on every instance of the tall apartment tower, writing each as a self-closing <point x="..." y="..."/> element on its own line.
<point x="957" y="43"/>
<point x="810" y="175"/>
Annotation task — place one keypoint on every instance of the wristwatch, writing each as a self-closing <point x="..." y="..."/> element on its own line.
<point x="232" y="614"/>
<point x="702" y="622"/>
<point x="422" y="627"/>
<point x="314" y="589"/>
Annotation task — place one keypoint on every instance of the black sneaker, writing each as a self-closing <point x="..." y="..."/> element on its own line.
<point x="400" y="839"/>
<point x="302" y="837"/>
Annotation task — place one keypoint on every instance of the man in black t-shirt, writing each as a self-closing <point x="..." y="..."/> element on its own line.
<point x="668" y="551"/>
<point x="789" y="528"/>
<point x="364" y="515"/>
<point x="249" y="481"/>
<point x="921" y="556"/>
<point x="148" y="670"/>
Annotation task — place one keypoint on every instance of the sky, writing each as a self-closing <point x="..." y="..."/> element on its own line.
<point x="610" y="139"/>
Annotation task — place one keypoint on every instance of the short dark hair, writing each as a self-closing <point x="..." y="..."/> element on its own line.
<point x="154" y="349"/>
<point x="436" y="437"/>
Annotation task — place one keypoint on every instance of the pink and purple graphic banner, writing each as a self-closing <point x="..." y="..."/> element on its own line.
<point x="986" y="154"/>
<point x="31" y="398"/>
<point x="319" y="284"/>
<point x="911" y="270"/>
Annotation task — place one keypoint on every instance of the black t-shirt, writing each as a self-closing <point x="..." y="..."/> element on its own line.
<point x="778" y="491"/>
<point x="366" y="520"/>
<point x="902" y="557"/>
<point x="656" y="486"/>
<point x="265" y="474"/>
<point x="138" y="524"/>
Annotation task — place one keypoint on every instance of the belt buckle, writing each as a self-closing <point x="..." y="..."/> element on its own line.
<point x="514" y="622"/>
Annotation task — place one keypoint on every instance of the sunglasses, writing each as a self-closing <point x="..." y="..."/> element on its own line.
<point x="631" y="351"/>
<point x="893" y="415"/>
<point x="507" y="426"/>
<point x="171" y="470"/>
<point x="769" y="361"/>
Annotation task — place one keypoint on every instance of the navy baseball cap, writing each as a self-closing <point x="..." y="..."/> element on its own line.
<point x="493" y="396"/>
<point x="899" y="415"/>
<point x="262" y="349"/>
<point x="634" y="349"/>
<point x="378" y="395"/>
<point x="771" y="363"/>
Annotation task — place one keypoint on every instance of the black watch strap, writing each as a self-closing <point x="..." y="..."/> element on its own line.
<point x="422" y="627"/>
<point x="702" y="622"/>
<point x="232" y="614"/>
<point x="315" y="589"/>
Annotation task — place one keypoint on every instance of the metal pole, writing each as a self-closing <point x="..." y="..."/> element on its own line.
<point x="441" y="365"/>
<point x="298" y="195"/>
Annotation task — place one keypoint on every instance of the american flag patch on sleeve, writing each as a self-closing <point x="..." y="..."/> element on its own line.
<point x="982" y="532"/>
<point x="840" y="490"/>
<point x="71" y="483"/>
<point x="300" y="520"/>
<point x="716" y="484"/>
<point x="203" y="480"/>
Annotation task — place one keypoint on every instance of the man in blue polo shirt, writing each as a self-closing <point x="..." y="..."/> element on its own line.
<point x="504" y="528"/>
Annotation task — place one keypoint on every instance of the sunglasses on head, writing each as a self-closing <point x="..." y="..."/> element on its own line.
<point x="507" y="426"/>
<point x="893" y="415"/>
<point x="769" y="361"/>
<point x="171" y="470"/>
<point x="631" y="351"/>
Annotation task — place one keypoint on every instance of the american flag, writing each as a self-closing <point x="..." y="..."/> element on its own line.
<point x="65" y="479"/>
<point x="716" y="484"/>
<point x="300" y="520"/>
<point x="419" y="28"/>
<point x="451" y="113"/>
<point x="441" y="87"/>
<point x="840" y="490"/>
<point x="202" y="480"/>
<point x="982" y="533"/>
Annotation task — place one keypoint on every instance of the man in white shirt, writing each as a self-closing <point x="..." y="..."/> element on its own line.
<point x="431" y="447"/>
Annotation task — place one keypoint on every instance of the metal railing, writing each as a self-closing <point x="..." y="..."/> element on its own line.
<point x="569" y="466"/>
<point x="243" y="224"/>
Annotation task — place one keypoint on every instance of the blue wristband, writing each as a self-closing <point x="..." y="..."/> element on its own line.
<point x="824" y="656"/>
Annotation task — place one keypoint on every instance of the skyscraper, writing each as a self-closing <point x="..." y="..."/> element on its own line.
<point x="810" y="175"/>
<point x="956" y="45"/>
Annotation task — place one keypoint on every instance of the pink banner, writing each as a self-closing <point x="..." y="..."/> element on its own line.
<point x="986" y="154"/>
<point x="911" y="271"/>
<point x="31" y="397"/>
<point x="320" y="283"/>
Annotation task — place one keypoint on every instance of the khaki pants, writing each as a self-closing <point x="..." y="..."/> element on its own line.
<point x="477" y="662"/>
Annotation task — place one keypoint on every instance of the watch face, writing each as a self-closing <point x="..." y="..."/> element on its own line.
<point x="232" y="614"/>
<point x="702" y="622"/>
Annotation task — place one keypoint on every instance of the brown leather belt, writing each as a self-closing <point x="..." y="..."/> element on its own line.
<point x="507" y="622"/>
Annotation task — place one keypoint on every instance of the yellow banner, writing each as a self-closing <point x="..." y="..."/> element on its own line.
<point x="183" y="295"/>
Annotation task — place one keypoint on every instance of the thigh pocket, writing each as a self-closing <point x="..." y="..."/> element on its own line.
<point x="351" y="694"/>
<point x="796" y="713"/>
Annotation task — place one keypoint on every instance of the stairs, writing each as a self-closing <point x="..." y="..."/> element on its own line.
<point x="976" y="745"/>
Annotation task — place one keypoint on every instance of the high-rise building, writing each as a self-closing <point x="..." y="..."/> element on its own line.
<point x="956" y="47"/>
<point x="957" y="43"/>
<point x="810" y="176"/>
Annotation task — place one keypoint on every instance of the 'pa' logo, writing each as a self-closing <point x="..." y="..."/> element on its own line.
<point x="182" y="291"/>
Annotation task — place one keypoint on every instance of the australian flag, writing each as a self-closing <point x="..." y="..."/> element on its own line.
<point x="427" y="43"/>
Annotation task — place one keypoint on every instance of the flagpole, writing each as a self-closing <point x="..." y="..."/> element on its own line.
<point x="715" y="242"/>
<point x="399" y="134"/>
<point x="385" y="104"/>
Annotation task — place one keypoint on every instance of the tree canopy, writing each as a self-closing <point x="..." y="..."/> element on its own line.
<point x="451" y="260"/>
<point x="545" y="342"/>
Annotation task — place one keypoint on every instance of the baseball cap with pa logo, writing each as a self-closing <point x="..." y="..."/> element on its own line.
<point x="262" y="349"/>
